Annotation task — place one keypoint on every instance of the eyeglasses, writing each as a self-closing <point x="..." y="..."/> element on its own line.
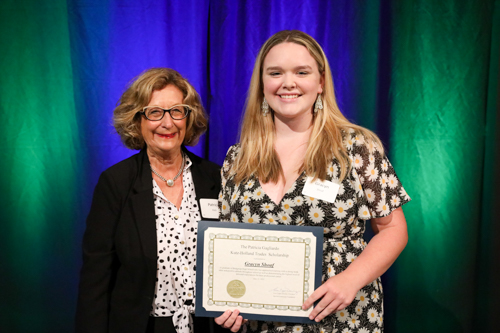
<point x="156" y="113"/>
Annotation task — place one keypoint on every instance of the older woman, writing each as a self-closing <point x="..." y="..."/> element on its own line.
<point x="293" y="129"/>
<point x="139" y="247"/>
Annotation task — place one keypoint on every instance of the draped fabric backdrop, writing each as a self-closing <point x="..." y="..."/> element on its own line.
<point x="423" y="74"/>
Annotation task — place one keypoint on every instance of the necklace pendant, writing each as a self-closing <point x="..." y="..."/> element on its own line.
<point x="170" y="182"/>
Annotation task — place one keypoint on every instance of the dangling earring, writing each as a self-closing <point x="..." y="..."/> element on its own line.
<point x="265" y="107"/>
<point x="318" y="105"/>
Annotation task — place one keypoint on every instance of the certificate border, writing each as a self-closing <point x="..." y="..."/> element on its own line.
<point x="200" y="297"/>
<point x="307" y="253"/>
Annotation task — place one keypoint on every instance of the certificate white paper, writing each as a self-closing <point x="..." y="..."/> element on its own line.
<point x="258" y="271"/>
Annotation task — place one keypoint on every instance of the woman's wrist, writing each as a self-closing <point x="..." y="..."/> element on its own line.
<point x="357" y="277"/>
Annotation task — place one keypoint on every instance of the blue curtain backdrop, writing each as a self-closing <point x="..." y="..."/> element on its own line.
<point x="423" y="74"/>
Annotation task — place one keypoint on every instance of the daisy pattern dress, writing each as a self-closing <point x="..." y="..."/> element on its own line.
<point x="371" y="189"/>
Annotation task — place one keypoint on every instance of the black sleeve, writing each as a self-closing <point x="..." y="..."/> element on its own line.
<point x="99" y="258"/>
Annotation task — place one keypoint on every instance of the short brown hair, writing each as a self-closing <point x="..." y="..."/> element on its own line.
<point x="126" y="116"/>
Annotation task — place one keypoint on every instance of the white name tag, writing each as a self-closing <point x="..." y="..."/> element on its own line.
<point x="209" y="208"/>
<point x="323" y="190"/>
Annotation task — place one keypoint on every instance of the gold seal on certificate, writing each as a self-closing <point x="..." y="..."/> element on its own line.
<point x="265" y="271"/>
<point x="236" y="288"/>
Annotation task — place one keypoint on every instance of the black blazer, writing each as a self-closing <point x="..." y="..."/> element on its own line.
<point x="117" y="280"/>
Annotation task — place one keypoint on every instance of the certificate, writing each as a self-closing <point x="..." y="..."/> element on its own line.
<point x="264" y="271"/>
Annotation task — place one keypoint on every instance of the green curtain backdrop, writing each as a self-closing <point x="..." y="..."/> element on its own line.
<point x="40" y="161"/>
<point x="440" y="87"/>
<point x="422" y="74"/>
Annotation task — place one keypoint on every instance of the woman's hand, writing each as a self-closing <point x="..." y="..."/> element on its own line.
<point x="382" y="250"/>
<point x="230" y="320"/>
<point x="339" y="290"/>
<point x="336" y="293"/>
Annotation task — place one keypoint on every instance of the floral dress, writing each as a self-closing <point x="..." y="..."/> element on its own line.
<point x="371" y="189"/>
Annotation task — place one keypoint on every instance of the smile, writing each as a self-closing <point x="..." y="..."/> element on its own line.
<point x="289" y="96"/>
<point x="166" y="136"/>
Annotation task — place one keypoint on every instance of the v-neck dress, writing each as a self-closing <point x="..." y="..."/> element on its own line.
<point x="371" y="189"/>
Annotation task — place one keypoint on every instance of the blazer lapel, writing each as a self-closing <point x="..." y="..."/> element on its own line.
<point x="203" y="184"/>
<point x="143" y="206"/>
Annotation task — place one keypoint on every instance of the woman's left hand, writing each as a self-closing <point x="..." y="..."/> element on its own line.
<point x="231" y="320"/>
<point x="336" y="293"/>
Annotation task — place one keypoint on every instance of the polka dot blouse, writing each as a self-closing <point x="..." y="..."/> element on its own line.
<point x="176" y="231"/>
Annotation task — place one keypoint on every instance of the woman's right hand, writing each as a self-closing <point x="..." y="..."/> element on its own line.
<point x="231" y="320"/>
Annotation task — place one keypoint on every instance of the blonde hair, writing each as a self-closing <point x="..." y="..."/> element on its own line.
<point x="126" y="116"/>
<point x="257" y="155"/>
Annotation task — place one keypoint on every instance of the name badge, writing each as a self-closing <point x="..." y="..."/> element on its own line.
<point x="323" y="190"/>
<point x="209" y="208"/>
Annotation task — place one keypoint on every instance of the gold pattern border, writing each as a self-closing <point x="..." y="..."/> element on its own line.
<point x="305" y="285"/>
